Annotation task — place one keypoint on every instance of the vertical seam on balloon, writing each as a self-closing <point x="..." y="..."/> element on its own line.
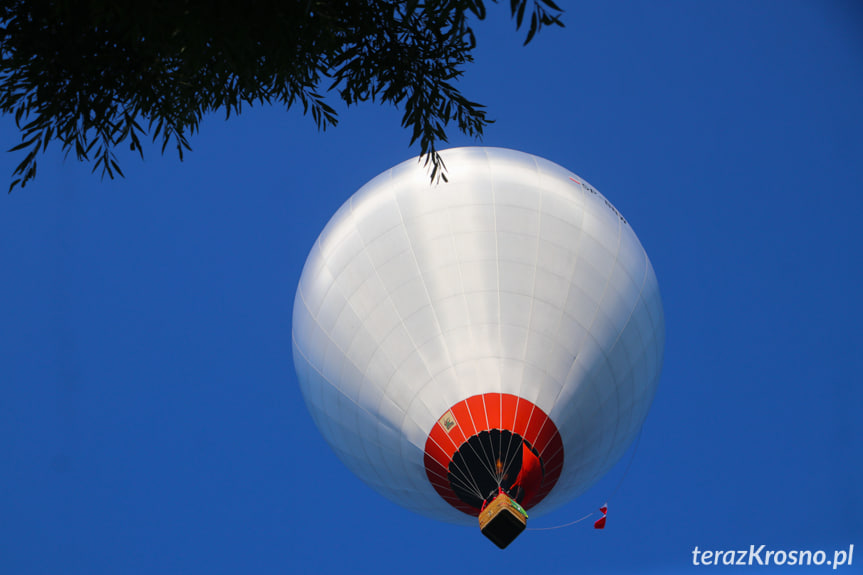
<point x="493" y="185"/>
<point x="494" y="206"/>
<point x="571" y="281"/>
<point x="415" y="480"/>
<point x="533" y="290"/>
<point x="611" y="347"/>
<point x="535" y="270"/>
<point x="592" y="321"/>
<point x="428" y="298"/>
<point x="628" y="320"/>
<point x="395" y="367"/>
<point x="431" y="303"/>
<point x="364" y="371"/>
<point x="470" y="321"/>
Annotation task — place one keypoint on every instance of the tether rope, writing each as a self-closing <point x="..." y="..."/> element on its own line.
<point x="613" y="493"/>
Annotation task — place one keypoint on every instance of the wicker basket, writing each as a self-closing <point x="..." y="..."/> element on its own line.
<point x="502" y="520"/>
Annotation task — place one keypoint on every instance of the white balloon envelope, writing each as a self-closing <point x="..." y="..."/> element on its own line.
<point x="502" y="331"/>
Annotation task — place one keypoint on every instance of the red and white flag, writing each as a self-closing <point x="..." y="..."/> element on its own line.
<point x="600" y="523"/>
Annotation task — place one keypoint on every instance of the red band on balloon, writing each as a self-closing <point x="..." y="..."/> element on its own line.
<point x="487" y="412"/>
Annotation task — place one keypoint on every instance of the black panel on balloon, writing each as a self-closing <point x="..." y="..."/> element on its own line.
<point x="484" y="462"/>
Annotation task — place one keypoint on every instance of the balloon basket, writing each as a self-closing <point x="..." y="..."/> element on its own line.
<point x="502" y="520"/>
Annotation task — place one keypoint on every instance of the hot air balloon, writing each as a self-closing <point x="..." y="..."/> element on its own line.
<point x="493" y="341"/>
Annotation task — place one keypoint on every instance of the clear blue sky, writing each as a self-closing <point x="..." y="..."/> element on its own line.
<point x="150" y="419"/>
